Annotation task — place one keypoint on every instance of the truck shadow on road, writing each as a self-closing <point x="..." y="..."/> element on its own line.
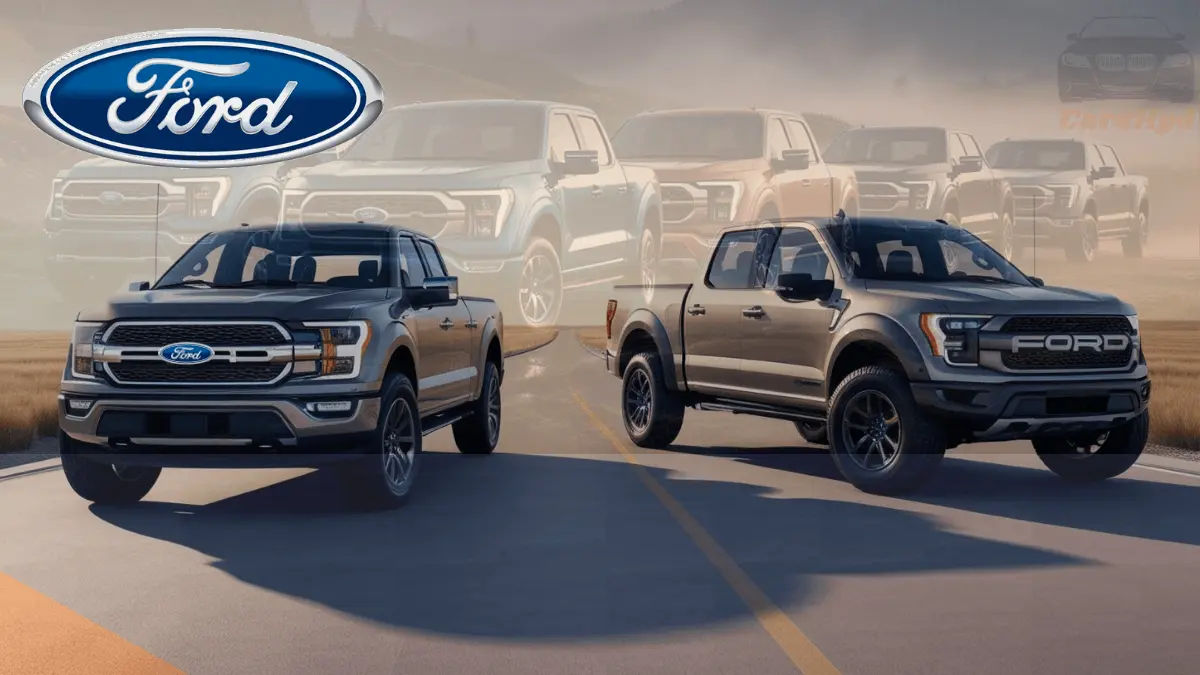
<point x="535" y="547"/>
<point x="1128" y="506"/>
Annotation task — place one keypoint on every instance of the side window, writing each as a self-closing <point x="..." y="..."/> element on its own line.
<point x="1110" y="158"/>
<point x="801" y="139"/>
<point x="777" y="140"/>
<point x="957" y="149"/>
<point x="970" y="145"/>
<point x="797" y="253"/>
<point x="432" y="259"/>
<point x="410" y="262"/>
<point x="562" y="136"/>
<point x="593" y="138"/>
<point x="733" y="260"/>
<point x="1093" y="158"/>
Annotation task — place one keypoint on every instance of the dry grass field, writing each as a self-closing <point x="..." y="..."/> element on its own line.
<point x="1173" y="350"/>
<point x="32" y="363"/>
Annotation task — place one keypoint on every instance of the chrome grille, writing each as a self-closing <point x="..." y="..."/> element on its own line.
<point x="1141" y="62"/>
<point x="118" y="199"/>
<point x="244" y="353"/>
<point x="1028" y="199"/>
<point x="428" y="213"/>
<point x="881" y="196"/>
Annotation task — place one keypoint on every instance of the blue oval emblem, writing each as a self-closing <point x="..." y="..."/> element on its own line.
<point x="203" y="98"/>
<point x="185" y="353"/>
<point x="111" y="197"/>
<point x="371" y="214"/>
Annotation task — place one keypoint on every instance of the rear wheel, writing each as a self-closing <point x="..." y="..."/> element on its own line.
<point x="384" y="477"/>
<point x="1084" y="242"/>
<point x="882" y="442"/>
<point x="479" y="433"/>
<point x="1134" y="243"/>
<point x="1096" y="457"/>
<point x="653" y="414"/>
<point x="813" y="432"/>
<point x="102" y="482"/>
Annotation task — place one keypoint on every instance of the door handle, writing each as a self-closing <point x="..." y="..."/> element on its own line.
<point x="622" y="188"/>
<point x="597" y="190"/>
<point x="754" y="312"/>
<point x="696" y="310"/>
<point x="804" y="182"/>
<point x="446" y="324"/>
<point x="472" y="324"/>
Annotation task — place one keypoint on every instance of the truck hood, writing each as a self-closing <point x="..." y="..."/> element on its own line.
<point x="1038" y="176"/>
<point x="410" y="175"/>
<point x="281" y="304"/>
<point x="975" y="298"/>
<point x="884" y="173"/>
<point x="686" y="171"/>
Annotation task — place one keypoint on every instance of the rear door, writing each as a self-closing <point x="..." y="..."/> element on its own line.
<point x="713" y="318"/>
<point x="455" y="324"/>
<point x="435" y="344"/>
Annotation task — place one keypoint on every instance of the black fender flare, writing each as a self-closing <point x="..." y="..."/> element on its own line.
<point x="883" y="331"/>
<point x="645" y="320"/>
<point x="489" y="331"/>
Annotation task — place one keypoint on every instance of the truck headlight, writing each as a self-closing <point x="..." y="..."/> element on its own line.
<point x="55" y="210"/>
<point x="331" y="350"/>
<point x="484" y="210"/>
<point x="723" y="199"/>
<point x="204" y="196"/>
<point x="920" y="194"/>
<point x="1075" y="60"/>
<point x="1064" y="195"/>
<point x="954" y="337"/>
<point x="85" y="337"/>
<point x="1177" y="61"/>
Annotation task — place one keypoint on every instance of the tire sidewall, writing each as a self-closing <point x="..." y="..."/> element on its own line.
<point x="639" y="363"/>
<point x="396" y="387"/>
<point x="539" y="246"/>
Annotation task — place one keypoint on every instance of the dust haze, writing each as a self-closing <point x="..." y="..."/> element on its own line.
<point x="989" y="70"/>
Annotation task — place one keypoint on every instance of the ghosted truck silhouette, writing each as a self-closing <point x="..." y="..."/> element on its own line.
<point x="1072" y="194"/>
<point x="1126" y="57"/>
<point x="928" y="172"/>
<point x="889" y="340"/>
<point x="525" y="198"/>
<point x="273" y="346"/>
<point x="717" y="167"/>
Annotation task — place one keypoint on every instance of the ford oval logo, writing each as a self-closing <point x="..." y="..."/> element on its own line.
<point x="185" y="353"/>
<point x="203" y="98"/>
<point x="111" y="197"/>
<point x="370" y="214"/>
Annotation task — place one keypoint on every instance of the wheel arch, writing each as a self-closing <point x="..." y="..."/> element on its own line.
<point x="643" y="331"/>
<point x="868" y="341"/>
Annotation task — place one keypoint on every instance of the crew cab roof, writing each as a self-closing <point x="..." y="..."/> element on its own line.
<point x="867" y="221"/>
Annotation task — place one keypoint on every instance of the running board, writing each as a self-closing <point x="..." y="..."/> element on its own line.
<point x="443" y="419"/>
<point x="760" y="410"/>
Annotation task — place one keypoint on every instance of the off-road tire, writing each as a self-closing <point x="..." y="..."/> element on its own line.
<point x="99" y="482"/>
<point x="1084" y="241"/>
<point x="813" y="432"/>
<point x="665" y="414"/>
<point x="1134" y="243"/>
<point x="474" y="434"/>
<point x="364" y="478"/>
<point x="1114" y="457"/>
<point x="922" y="442"/>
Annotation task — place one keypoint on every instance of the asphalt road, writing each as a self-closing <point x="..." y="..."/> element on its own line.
<point x="739" y="551"/>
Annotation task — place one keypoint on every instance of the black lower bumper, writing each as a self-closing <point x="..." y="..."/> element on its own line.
<point x="1020" y="410"/>
<point x="302" y="453"/>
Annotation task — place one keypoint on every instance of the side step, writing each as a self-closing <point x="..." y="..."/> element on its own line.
<point x="444" y="419"/>
<point x="761" y="410"/>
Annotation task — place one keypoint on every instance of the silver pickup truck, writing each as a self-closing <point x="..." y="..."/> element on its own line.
<point x="890" y="341"/>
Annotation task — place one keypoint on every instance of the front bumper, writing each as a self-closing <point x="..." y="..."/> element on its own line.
<point x="198" y="430"/>
<point x="1164" y="83"/>
<point x="1052" y="229"/>
<point x="1023" y="410"/>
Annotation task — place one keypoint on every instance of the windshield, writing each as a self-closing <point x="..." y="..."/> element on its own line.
<point x="920" y="251"/>
<point x="716" y="136"/>
<point x="358" y="257"/>
<point x="1044" y="155"/>
<point x="1126" y="26"/>
<point x="492" y="133"/>
<point x="888" y="146"/>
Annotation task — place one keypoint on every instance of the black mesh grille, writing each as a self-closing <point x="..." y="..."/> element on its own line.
<point x="1058" y="325"/>
<point x="1043" y="359"/>
<point x="144" y="372"/>
<point x="214" y="335"/>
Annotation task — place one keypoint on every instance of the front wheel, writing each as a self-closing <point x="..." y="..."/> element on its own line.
<point x="100" y="482"/>
<point x="1085" y="241"/>
<point x="1134" y="243"/>
<point x="653" y="414"/>
<point x="643" y="270"/>
<point x="1096" y="457"/>
<point x="882" y="442"/>
<point x="384" y="477"/>
<point x="1007" y="246"/>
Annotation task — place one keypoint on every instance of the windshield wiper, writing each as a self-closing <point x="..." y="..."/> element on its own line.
<point x="985" y="279"/>
<point x="192" y="283"/>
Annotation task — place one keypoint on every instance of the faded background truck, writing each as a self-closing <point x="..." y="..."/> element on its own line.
<point x="891" y="341"/>
<point x="282" y="346"/>
<point x="525" y="198"/>
<point x="717" y="167"/>
<point x="928" y="172"/>
<point x="1072" y="194"/>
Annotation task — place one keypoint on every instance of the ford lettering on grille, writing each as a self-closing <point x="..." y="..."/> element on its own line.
<point x="1071" y="343"/>
<point x="186" y="353"/>
<point x="203" y="97"/>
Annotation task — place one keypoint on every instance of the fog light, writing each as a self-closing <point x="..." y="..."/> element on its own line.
<point x="79" y="405"/>
<point x="1146" y="392"/>
<point x="330" y="407"/>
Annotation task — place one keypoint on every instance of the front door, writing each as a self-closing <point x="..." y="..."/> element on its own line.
<point x="976" y="212"/>
<point x="814" y="195"/>
<point x="602" y="243"/>
<point x="435" y="341"/>
<point x="461" y="372"/>
<point x="787" y="344"/>
<point x="572" y="194"/>
<point x="714" y="311"/>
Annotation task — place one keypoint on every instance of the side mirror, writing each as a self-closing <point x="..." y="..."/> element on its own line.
<point x="579" y="163"/>
<point x="1104" y="172"/>
<point x="969" y="164"/>
<point x="1072" y="37"/>
<point x="139" y="286"/>
<point x="1037" y="281"/>
<point x="801" y="287"/>
<point x="435" y="292"/>
<point x="792" y="160"/>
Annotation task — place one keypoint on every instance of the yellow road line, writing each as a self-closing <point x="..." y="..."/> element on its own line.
<point x="39" y="636"/>
<point x="799" y="649"/>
